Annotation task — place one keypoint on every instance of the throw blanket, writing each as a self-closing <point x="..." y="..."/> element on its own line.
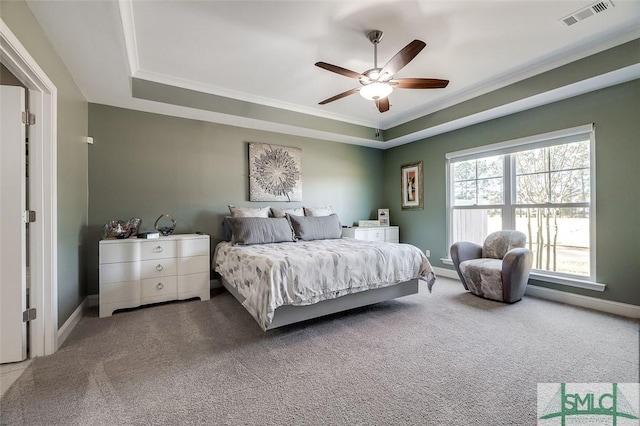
<point x="306" y="272"/>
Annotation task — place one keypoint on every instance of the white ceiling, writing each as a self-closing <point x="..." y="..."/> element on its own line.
<point x="264" y="51"/>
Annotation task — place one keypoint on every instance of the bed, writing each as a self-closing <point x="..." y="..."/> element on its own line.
<point x="301" y="268"/>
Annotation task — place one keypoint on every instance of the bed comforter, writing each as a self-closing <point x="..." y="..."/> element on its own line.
<point x="306" y="272"/>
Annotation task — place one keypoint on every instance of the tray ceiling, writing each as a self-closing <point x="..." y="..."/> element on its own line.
<point x="261" y="54"/>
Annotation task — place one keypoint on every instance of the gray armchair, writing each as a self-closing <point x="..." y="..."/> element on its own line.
<point x="498" y="270"/>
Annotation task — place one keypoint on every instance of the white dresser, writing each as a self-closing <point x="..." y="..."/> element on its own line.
<point x="389" y="234"/>
<point x="136" y="272"/>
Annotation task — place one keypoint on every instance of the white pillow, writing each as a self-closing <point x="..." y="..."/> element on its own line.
<point x="249" y="211"/>
<point x="318" y="211"/>
<point x="283" y="212"/>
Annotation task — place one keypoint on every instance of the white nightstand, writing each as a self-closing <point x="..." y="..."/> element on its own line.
<point x="136" y="272"/>
<point x="389" y="234"/>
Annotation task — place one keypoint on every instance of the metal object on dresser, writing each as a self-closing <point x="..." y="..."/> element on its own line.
<point x="165" y="230"/>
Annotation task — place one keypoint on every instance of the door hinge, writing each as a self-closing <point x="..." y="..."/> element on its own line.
<point x="28" y="118"/>
<point x="29" y="315"/>
<point x="29" y="216"/>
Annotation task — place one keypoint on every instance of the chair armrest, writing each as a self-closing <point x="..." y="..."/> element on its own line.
<point x="464" y="250"/>
<point x="516" y="266"/>
<point x="461" y="251"/>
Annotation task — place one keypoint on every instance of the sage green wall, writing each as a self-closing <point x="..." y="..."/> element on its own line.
<point x="72" y="156"/>
<point x="616" y="113"/>
<point x="143" y="164"/>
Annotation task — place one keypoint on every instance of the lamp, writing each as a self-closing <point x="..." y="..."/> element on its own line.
<point x="376" y="90"/>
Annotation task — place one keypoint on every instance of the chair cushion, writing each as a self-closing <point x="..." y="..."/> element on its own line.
<point x="483" y="277"/>
<point x="498" y="243"/>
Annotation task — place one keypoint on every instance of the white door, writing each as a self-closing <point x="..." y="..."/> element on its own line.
<point x="13" y="297"/>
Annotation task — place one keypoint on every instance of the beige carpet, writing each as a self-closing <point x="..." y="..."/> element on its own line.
<point x="447" y="358"/>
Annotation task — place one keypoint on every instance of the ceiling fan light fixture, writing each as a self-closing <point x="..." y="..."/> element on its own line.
<point x="373" y="74"/>
<point x="376" y="91"/>
<point x="378" y="83"/>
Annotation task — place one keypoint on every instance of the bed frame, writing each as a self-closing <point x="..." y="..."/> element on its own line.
<point x="289" y="314"/>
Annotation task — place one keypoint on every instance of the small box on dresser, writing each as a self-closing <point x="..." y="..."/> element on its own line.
<point x="138" y="271"/>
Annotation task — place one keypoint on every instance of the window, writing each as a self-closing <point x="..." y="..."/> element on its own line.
<point x="542" y="186"/>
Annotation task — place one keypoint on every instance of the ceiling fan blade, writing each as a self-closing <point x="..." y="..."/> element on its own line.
<point x="402" y="58"/>
<point x="383" y="104"/>
<point x="419" y="83"/>
<point x="340" y="96"/>
<point x="338" y="70"/>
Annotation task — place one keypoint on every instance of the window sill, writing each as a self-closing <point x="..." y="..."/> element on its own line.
<point x="572" y="282"/>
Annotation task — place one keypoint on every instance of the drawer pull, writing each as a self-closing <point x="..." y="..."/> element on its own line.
<point x="159" y="286"/>
<point x="158" y="249"/>
<point x="159" y="268"/>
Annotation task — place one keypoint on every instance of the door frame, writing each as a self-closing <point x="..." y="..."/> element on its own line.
<point x="43" y="233"/>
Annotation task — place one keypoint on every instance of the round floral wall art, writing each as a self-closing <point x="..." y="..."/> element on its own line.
<point x="274" y="173"/>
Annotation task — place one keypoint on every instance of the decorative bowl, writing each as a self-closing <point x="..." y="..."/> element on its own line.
<point x="121" y="229"/>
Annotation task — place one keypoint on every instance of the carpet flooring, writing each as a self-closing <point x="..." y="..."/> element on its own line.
<point x="446" y="358"/>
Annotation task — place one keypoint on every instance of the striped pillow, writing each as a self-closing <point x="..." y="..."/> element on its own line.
<point x="310" y="228"/>
<point x="260" y="230"/>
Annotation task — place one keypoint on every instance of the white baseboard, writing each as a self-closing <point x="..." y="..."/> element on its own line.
<point x="71" y="322"/>
<point x="443" y="272"/>
<point x="617" y="308"/>
<point x="609" y="306"/>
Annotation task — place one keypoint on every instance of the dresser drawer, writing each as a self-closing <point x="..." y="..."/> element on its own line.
<point x="193" y="265"/>
<point x="157" y="268"/>
<point x="158" y="289"/>
<point x="119" y="251"/>
<point x="389" y="234"/>
<point x="157" y="249"/>
<point x="194" y="285"/>
<point x="376" y="235"/>
<point x="392" y="235"/>
<point x="119" y="272"/>
<point x="120" y="292"/>
<point x="188" y="247"/>
<point x="360" y="234"/>
<point x="365" y="234"/>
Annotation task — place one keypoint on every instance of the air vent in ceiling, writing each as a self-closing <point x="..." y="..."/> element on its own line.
<point x="586" y="12"/>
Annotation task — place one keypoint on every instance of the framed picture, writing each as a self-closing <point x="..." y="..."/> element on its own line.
<point x="383" y="217"/>
<point x="274" y="173"/>
<point x="412" y="193"/>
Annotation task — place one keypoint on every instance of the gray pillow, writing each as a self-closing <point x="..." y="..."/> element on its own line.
<point x="260" y="230"/>
<point x="309" y="228"/>
<point x="227" y="231"/>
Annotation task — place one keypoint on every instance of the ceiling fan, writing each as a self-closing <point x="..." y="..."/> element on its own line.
<point x="378" y="83"/>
